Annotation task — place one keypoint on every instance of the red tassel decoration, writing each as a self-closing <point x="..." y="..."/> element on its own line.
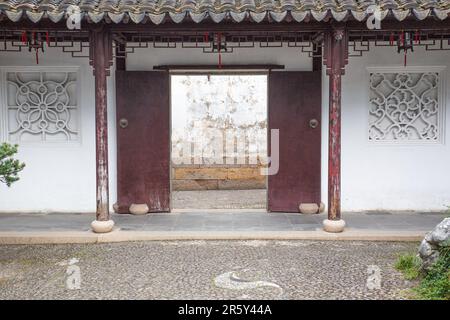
<point x="24" y="37"/>
<point x="206" y="37"/>
<point x="391" y="39"/>
<point x="417" y="37"/>
<point x="402" y="41"/>
<point x="47" y="38"/>
<point x="37" y="55"/>
<point x="219" y="43"/>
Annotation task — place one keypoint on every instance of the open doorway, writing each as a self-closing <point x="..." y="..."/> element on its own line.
<point x="218" y="141"/>
<point x="144" y="161"/>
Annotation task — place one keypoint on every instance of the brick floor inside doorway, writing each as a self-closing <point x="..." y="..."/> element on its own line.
<point x="219" y="199"/>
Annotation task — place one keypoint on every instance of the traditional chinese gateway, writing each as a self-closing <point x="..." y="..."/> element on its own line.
<point x="367" y="131"/>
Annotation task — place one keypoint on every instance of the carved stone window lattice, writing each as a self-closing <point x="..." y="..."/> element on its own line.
<point x="405" y="107"/>
<point x="42" y="106"/>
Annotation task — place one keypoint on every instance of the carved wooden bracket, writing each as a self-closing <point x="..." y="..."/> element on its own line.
<point x="100" y="49"/>
<point x="336" y="50"/>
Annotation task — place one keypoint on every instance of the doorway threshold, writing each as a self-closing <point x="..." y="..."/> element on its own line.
<point x="224" y="210"/>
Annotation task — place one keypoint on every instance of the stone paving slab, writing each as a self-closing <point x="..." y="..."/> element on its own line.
<point x="117" y="235"/>
<point x="75" y="228"/>
<point x="226" y="221"/>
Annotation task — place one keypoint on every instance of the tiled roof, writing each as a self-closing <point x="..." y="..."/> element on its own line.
<point x="157" y="11"/>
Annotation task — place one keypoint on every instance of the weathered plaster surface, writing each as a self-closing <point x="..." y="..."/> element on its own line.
<point x="221" y="118"/>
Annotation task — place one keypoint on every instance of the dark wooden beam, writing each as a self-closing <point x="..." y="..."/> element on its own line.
<point x="101" y="60"/>
<point x="245" y="27"/>
<point x="335" y="59"/>
<point x="207" y="67"/>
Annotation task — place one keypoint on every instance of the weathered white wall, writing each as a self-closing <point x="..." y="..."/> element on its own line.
<point x="62" y="177"/>
<point x="212" y="116"/>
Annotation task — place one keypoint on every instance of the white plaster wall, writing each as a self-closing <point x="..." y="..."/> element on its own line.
<point x="60" y="176"/>
<point x="292" y="58"/>
<point x="396" y="176"/>
<point x="211" y="112"/>
<point x="415" y="177"/>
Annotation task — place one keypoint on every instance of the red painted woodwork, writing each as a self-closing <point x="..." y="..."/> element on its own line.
<point x="100" y="58"/>
<point x="143" y="154"/>
<point x="335" y="59"/>
<point x="294" y="100"/>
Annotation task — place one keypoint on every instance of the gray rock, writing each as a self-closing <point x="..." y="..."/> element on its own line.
<point x="433" y="241"/>
<point x="425" y="249"/>
<point x="441" y="234"/>
<point x="428" y="254"/>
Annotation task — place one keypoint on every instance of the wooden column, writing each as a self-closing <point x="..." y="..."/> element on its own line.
<point x="100" y="53"/>
<point x="335" y="59"/>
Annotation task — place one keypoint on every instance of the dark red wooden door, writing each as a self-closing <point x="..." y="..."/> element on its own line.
<point x="295" y="109"/>
<point x="143" y="139"/>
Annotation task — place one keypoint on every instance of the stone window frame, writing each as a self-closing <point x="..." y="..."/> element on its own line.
<point x="4" y="135"/>
<point x="442" y="96"/>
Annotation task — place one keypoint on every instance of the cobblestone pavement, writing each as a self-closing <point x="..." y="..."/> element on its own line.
<point x="202" y="270"/>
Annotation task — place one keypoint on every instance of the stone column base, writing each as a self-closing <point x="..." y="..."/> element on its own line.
<point x="333" y="226"/>
<point x="321" y="207"/>
<point x="308" y="208"/>
<point x="138" y="208"/>
<point x="102" y="226"/>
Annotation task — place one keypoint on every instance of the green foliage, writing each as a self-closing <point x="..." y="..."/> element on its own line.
<point x="435" y="285"/>
<point x="9" y="167"/>
<point x="409" y="265"/>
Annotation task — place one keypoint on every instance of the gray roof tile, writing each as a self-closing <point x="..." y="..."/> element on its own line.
<point x="178" y="10"/>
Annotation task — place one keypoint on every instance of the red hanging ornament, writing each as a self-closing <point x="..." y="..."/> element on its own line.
<point x="402" y="45"/>
<point x="37" y="55"/>
<point x="405" y="50"/>
<point x="417" y="37"/>
<point x="206" y="37"/>
<point x="391" y="39"/>
<point x="402" y="38"/>
<point x="405" y="43"/>
<point x="24" y="37"/>
<point x="219" y="42"/>
<point x="47" y="38"/>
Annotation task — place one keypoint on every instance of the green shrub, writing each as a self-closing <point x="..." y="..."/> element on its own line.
<point x="9" y="167"/>
<point x="435" y="285"/>
<point x="409" y="265"/>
